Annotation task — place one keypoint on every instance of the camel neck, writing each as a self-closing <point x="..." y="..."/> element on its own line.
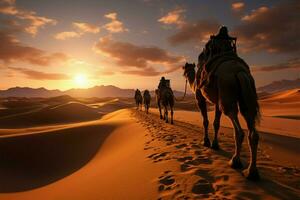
<point x="191" y="79"/>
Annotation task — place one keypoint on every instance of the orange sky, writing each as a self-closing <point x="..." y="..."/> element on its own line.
<point x="63" y="45"/>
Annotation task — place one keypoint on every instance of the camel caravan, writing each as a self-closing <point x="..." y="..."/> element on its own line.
<point x="223" y="79"/>
<point x="164" y="97"/>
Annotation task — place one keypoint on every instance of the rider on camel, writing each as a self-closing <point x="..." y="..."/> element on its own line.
<point x="221" y="43"/>
<point x="163" y="83"/>
<point x="218" y="48"/>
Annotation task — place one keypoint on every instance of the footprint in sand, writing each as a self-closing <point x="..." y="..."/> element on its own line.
<point x="181" y="146"/>
<point x="166" y="181"/>
<point x="157" y="157"/>
<point x="202" y="186"/>
<point x="183" y="159"/>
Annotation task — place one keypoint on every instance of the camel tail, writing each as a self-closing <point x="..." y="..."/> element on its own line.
<point x="248" y="100"/>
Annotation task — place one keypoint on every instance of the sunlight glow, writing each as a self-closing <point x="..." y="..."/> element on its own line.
<point x="81" y="80"/>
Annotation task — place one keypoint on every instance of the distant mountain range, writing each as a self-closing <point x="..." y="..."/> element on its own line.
<point x="113" y="91"/>
<point x="281" y="85"/>
<point x="96" y="91"/>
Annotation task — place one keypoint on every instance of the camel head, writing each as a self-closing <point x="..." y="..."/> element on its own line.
<point x="187" y="68"/>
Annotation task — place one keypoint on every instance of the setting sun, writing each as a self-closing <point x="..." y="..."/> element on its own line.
<point x="80" y="80"/>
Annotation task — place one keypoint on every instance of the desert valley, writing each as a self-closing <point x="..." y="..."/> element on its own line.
<point x="103" y="148"/>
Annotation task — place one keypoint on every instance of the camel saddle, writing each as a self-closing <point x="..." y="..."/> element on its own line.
<point x="207" y="72"/>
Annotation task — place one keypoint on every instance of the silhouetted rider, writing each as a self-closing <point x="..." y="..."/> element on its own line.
<point x="162" y="83"/>
<point x="221" y="43"/>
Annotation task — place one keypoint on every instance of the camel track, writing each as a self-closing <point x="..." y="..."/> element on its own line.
<point x="201" y="172"/>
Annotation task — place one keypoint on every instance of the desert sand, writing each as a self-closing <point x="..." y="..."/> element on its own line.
<point x="109" y="150"/>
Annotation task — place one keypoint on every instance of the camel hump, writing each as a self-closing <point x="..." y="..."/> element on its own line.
<point x="215" y="62"/>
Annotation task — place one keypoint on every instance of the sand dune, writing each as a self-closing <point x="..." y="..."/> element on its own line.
<point x="283" y="97"/>
<point x="99" y="160"/>
<point x="65" y="113"/>
<point x="34" y="160"/>
<point x="68" y="152"/>
<point x="285" y="104"/>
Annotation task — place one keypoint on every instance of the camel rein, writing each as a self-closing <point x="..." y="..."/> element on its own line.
<point x="184" y="92"/>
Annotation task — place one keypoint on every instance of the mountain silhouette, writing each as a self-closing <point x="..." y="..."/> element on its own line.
<point x="96" y="91"/>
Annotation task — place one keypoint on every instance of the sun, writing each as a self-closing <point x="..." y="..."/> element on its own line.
<point x="80" y="80"/>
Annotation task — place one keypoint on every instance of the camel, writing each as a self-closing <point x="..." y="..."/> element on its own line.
<point x="138" y="99"/>
<point x="147" y="100"/>
<point x="165" y="97"/>
<point x="230" y="89"/>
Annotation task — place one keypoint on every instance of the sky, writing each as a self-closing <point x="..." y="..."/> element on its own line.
<point x="131" y="44"/>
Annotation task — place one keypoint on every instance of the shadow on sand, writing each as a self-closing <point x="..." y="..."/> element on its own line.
<point x="32" y="161"/>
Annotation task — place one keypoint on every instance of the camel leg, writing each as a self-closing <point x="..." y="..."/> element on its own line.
<point x="218" y="113"/>
<point x="253" y="137"/>
<point x="202" y="106"/>
<point x="159" y="108"/>
<point x="172" y="113"/>
<point x="235" y="161"/>
<point x="166" y="114"/>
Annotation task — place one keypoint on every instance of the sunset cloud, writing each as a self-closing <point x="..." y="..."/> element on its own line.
<point x="34" y="22"/>
<point x="293" y="64"/>
<point x="86" y="27"/>
<point x="37" y="75"/>
<point x="194" y="32"/>
<point x="275" y="29"/>
<point x="81" y="29"/>
<point x="12" y="50"/>
<point x="237" y="6"/>
<point x="173" y="17"/>
<point x="66" y="35"/>
<point x="141" y="58"/>
<point x="115" y="26"/>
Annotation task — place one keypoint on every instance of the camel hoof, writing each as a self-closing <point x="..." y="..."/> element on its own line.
<point x="236" y="163"/>
<point x="251" y="174"/>
<point x="215" y="145"/>
<point x="206" y="142"/>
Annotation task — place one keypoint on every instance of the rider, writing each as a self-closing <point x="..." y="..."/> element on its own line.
<point x="137" y="92"/>
<point x="214" y="48"/>
<point x="221" y="43"/>
<point x="162" y="83"/>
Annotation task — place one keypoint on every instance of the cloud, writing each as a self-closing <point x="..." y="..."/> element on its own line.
<point x="12" y="50"/>
<point x="237" y="6"/>
<point x="256" y="14"/>
<point x="115" y="26"/>
<point x="173" y="17"/>
<point x="66" y="34"/>
<point x="293" y="64"/>
<point x="141" y="58"/>
<point x="37" y="75"/>
<point x="151" y="71"/>
<point x="35" y="22"/>
<point x="86" y="27"/>
<point x="194" y="32"/>
<point x="81" y="27"/>
<point x="274" y="29"/>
